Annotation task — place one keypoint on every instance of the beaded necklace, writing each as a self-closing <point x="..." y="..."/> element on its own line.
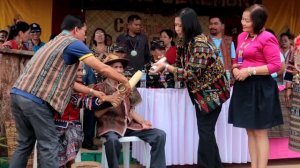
<point x="243" y="46"/>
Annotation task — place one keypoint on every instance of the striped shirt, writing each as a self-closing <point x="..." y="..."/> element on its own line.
<point x="47" y="75"/>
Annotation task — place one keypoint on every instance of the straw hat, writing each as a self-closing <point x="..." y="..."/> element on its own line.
<point x="112" y="58"/>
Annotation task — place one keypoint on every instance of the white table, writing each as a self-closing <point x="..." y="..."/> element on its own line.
<point x="172" y="111"/>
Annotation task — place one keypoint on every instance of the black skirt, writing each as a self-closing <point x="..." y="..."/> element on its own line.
<point x="255" y="103"/>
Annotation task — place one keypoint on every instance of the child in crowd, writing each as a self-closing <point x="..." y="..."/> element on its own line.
<point x="162" y="79"/>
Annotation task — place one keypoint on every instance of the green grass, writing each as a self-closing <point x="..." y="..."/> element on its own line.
<point x="86" y="156"/>
<point x="3" y="162"/>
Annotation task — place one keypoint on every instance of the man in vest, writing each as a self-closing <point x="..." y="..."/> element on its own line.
<point x="223" y="43"/>
<point x="46" y="85"/>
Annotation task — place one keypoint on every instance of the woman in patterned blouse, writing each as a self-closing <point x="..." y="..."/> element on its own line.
<point x="203" y="73"/>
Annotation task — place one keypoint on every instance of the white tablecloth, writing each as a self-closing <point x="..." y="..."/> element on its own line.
<point x="172" y="111"/>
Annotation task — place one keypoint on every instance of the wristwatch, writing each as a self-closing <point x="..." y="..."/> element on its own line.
<point x="254" y="71"/>
<point x="166" y="67"/>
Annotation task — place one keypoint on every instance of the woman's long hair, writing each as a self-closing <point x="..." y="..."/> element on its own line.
<point x="190" y="24"/>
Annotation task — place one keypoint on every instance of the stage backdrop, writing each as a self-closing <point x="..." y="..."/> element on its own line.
<point x="39" y="11"/>
<point x="114" y="22"/>
<point x="283" y="16"/>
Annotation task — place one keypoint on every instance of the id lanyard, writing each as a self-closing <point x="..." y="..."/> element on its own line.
<point x="243" y="47"/>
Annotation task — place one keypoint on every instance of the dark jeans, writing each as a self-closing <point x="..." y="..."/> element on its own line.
<point x="155" y="137"/>
<point x="89" y="122"/>
<point x="208" y="151"/>
<point x="34" y="122"/>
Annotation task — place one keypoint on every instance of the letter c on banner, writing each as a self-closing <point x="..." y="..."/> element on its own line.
<point x="119" y="27"/>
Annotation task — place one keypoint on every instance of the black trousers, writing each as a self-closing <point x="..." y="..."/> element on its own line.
<point x="155" y="137"/>
<point x="89" y="121"/>
<point x="208" y="151"/>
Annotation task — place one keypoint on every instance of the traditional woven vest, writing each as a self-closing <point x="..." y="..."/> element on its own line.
<point x="225" y="48"/>
<point x="47" y="76"/>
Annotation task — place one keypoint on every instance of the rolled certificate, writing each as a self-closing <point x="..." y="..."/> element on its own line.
<point x="163" y="59"/>
<point x="132" y="82"/>
<point x="121" y="88"/>
<point x="135" y="78"/>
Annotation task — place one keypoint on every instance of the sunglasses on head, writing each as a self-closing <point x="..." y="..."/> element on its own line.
<point x="157" y="43"/>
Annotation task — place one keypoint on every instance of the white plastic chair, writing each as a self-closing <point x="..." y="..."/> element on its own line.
<point x="126" y="147"/>
<point x="35" y="156"/>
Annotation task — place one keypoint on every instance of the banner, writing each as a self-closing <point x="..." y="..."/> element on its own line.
<point x="284" y="16"/>
<point x="30" y="11"/>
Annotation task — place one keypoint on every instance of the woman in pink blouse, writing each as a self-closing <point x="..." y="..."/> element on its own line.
<point x="254" y="103"/>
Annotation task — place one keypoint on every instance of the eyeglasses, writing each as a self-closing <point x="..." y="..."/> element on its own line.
<point x="120" y="51"/>
<point x="35" y="32"/>
<point x="99" y="34"/>
<point x="2" y="36"/>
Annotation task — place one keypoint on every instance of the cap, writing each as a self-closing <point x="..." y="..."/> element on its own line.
<point x="34" y="27"/>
